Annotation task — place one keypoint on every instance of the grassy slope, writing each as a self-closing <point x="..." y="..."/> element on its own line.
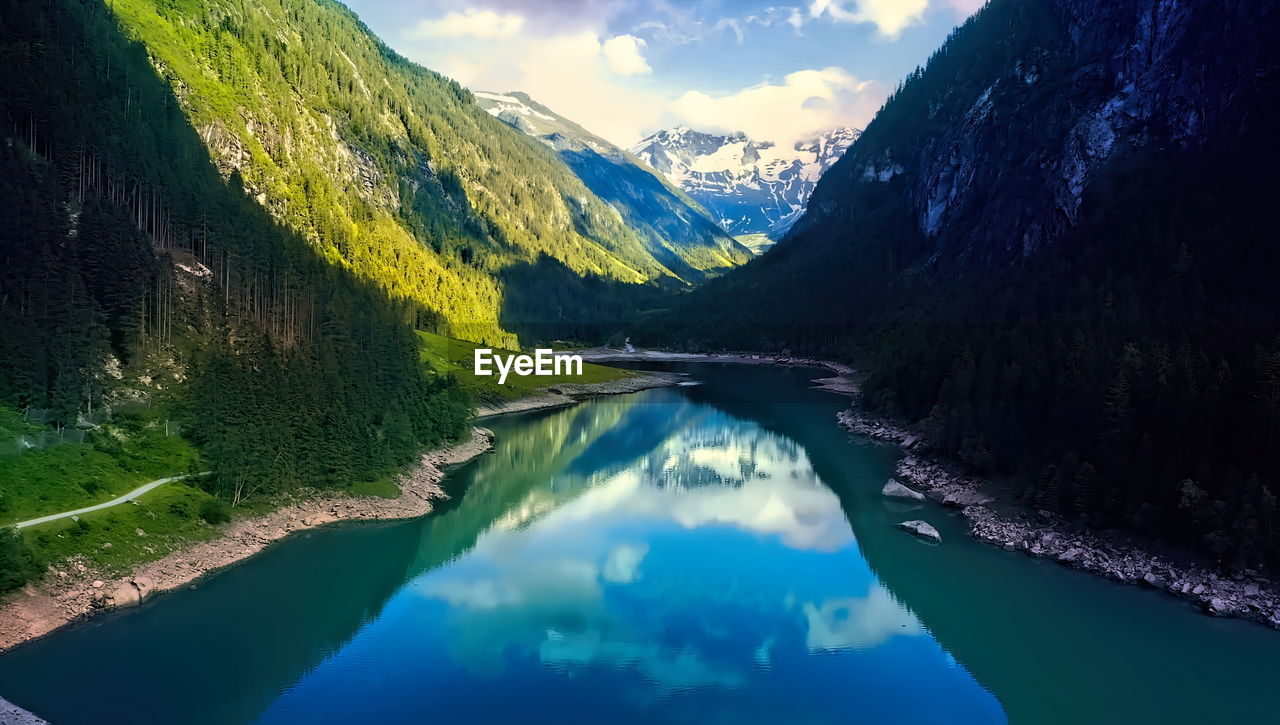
<point x="114" y="460"/>
<point x="445" y="355"/>
<point x="757" y="243"/>
<point x="12" y="424"/>
<point x="168" y="517"/>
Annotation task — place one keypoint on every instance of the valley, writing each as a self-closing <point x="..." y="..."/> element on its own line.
<point x="995" y="281"/>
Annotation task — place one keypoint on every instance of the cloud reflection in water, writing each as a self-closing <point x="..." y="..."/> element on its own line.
<point x="632" y="572"/>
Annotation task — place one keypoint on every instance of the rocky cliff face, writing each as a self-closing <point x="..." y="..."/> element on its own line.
<point x="997" y="144"/>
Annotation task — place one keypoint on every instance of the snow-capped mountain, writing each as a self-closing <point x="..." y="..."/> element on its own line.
<point x="681" y="236"/>
<point x="750" y="187"/>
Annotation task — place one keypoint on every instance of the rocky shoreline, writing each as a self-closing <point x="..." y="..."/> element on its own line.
<point x="75" y="592"/>
<point x="1109" y="554"/>
<point x="11" y="714"/>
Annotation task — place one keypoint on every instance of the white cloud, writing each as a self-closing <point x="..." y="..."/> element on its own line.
<point x="665" y="667"/>
<point x="623" y="564"/>
<point x="964" y="8"/>
<point x="624" y="56"/>
<point x="858" y="622"/>
<point x="470" y="23"/>
<point x="612" y="80"/>
<point x="806" y="101"/>
<point x="890" y="17"/>
<point x="795" y="19"/>
<point x="571" y="72"/>
<point x="734" y="26"/>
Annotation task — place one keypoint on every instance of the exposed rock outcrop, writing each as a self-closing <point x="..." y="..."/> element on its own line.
<point x="1138" y="73"/>
<point x="11" y="714"/>
<point x="923" y="529"/>
<point x="894" y="489"/>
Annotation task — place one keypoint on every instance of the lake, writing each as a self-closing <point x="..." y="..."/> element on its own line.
<point x="715" y="553"/>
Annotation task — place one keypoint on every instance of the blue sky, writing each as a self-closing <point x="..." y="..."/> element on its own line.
<point x="778" y="71"/>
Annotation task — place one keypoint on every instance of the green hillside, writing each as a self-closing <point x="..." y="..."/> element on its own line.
<point x="385" y="167"/>
<point x="136" y="275"/>
<point x="234" y="214"/>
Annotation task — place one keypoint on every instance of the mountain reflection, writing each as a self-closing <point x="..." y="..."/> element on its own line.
<point x="672" y="556"/>
<point x="583" y="569"/>
<point x="718" y="553"/>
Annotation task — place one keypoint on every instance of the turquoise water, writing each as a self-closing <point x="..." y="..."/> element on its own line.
<point x="710" y="554"/>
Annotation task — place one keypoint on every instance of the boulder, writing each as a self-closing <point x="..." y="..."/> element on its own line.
<point x="125" y="595"/>
<point x="144" y="585"/>
<point x="894" y="489"/>
<point x="1220" y="607"/>
<point x="963" y="497"/>
<point x="921" y="529"/>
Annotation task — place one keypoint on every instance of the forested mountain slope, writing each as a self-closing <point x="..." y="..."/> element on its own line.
<point x="134" y="272"/>
<point x="383" y="166"/>
<point x="1054" y="249"/>
<point x="676" y="231"/>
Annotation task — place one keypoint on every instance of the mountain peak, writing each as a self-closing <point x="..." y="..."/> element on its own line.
<point x="691" y="245"/>
<point x="750" y="186"/>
